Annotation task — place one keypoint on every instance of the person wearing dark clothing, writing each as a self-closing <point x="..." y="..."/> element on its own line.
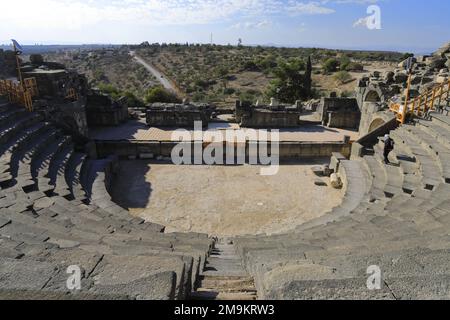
<point x="388" y="147"/>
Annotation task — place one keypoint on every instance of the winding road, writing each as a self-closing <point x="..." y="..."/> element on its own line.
<point x="156" y="73"/>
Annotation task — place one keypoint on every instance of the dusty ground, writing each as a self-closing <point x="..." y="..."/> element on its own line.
<point x="222" y="201"/>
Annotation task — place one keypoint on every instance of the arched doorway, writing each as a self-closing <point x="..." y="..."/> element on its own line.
<point x="372" y="96"/>
<point x="376" y="124"/>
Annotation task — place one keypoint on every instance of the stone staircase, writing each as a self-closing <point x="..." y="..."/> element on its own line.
<point x="224" y="277"/>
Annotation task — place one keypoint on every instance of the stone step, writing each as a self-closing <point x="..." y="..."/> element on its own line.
<point x="42" y="164"/>
<point x="58" y="168"/>
<point x="429" y="167"/>
<point x="442" y="119"/>
<point x="379" y="178"/>
<point x="438" y="151"/>
<point x="25" y="158"/>
<point x="441" y="134"/>
<point x="17" y="142"/>
<point x="72" y="175"/>
<point x="213" y="295"/>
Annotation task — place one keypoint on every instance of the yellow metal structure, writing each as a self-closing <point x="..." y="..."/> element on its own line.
<point x="16" y="93"/>
<point x="30" y="85"/>
<point x="21" y="93"/>
<point x="422" y="104"/>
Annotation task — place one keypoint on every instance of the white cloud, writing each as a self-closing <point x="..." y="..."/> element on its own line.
<point x="55" y="19"/>
<point x="252" y="25"/>
<point x="308" y="8"/>
<point x="74" y="14"/>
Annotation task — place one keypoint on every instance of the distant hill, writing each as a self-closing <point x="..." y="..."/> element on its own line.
<point x="42" y="49"/>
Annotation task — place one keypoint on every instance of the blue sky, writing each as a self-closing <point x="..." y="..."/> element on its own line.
<point x="406" y="25"/>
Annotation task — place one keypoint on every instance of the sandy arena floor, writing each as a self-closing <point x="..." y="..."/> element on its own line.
<point x="222" y="201"/>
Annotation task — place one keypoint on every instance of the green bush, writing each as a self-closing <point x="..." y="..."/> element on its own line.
<point x="110" y="90"/>
<point x="354" y="66"/>
<point x="345" y="62"/>
<point x="159" y="94"/>
<point x="342" y="77"/>
<point x="132" y="100"/>
<point x="331" y="65"/>
<point x="229" y="91"/>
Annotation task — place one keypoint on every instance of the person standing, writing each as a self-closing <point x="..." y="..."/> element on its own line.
<point x="388" y="147"/>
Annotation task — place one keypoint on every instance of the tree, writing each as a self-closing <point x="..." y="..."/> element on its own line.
<point x="289" y="84"/>
<point x="331" y="65"/>
<point x="308" y="77"/>
<point x="132" y="100"/>
<point x="345" y="62"/>
<point x="110" y="90"/>
<point x="159" y="94"/>
<point x="406" y="56"/>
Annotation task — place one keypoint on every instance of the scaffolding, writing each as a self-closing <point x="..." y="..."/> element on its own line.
<point x="431" y="100"/>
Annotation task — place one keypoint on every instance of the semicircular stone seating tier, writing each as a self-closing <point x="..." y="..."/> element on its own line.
<point x="56" y="216"/>
<point x="395" y="219"/>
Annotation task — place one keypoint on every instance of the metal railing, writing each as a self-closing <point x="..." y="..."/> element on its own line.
<point x="20" y="94"/>
<point x="420" y="106"/>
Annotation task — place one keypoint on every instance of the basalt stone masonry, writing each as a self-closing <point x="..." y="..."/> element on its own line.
<point x="267" y="116"/>
<point x="178" y="115"/>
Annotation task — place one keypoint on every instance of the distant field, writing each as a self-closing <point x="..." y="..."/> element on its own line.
<point x="222" y="74"/>
<point x="115" y="67"/>
<point x="218" y="74"/>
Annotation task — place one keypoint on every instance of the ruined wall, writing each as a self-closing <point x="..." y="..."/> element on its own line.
<point x="70" y="116"/>
<point x="268" y="116"/>
<point x="339" y="112"/>
<point x="344" y="120"/>
<point x="268" y="119"/>
<point x="370" y="139"/>
<point x="178" y="115"/>
<point x="8" y="64"/>
<point x="101" y="110"/>
<point x="56" y="83"/>
<point x="374" y="92"/>
<point x="160" y="118"/>
<point x="288" y="151"/>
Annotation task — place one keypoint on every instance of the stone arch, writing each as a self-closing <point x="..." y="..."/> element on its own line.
<point x="375" y="124"/>
<point x="372" y="96"/>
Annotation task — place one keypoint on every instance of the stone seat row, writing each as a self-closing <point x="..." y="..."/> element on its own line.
<point x="401" y="225"/>
<point x="55" y="212"/>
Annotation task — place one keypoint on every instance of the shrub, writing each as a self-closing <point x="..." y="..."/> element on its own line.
<point x="132" y="100"/>
<point x="229" y="91"/>
<point x="159" y="94"/>
<point x="110" y="90"/>
<point x="354" y="66"/>
<point x="342" y="77"/>
<point x="345" y="62"/>
<point x="331" y="65"/>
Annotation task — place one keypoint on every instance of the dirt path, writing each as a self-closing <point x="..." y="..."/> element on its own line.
<point x="166" y="83"/>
